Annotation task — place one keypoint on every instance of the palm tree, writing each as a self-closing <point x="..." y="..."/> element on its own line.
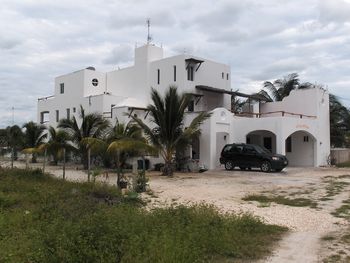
<point x="34" y="135"/>
<point x="168" y="130"/>
<point x="93" y="125"/>
<point x="125" y="140"/>
<point x="58" y="139"/>
<point x="12" y="138"/>
<point x="339" y="117"/>
<point x="280" y="88"/>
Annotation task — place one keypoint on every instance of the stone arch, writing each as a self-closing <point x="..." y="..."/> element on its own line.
<point x="263" y="138"/>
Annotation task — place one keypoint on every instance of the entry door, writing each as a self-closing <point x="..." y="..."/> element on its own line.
<point x="268" y="143"/>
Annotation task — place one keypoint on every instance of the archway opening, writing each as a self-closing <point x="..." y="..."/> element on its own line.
<point x="263" y="138"/>
<point x="300" y="149"/>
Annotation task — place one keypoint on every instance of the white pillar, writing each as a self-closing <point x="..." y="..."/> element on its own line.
<point x="280" y="145"/>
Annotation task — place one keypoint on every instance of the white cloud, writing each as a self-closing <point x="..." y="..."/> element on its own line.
<point x="261" y="40"/>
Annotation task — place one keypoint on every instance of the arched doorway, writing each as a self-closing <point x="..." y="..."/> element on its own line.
<point x="263" y="138"/>
<point x="300" y="149"/>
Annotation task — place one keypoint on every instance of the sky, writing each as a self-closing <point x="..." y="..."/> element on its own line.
<point x="260" y="40"/>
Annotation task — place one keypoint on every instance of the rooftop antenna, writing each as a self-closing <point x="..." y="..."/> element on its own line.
<point x="149" y="38"/>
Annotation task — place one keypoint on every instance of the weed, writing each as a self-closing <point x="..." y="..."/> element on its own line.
<point x="281" y="200"/>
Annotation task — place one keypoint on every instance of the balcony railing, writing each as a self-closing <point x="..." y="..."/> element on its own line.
<point x="273" y="114"/>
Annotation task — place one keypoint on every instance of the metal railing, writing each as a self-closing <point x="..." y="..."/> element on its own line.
<point x="274" y="113"/>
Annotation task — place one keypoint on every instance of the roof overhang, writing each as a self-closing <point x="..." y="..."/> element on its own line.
<point x="232" y="93"/>
<point x="193" y="61"/>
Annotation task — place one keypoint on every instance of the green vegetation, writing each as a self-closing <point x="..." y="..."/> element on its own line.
<point x="43" y="219"/>
<point x="263" y="199"/>
<point x="335" y="187"/>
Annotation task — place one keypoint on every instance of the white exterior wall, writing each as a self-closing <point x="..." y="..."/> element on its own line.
<point x="135" y="82"/>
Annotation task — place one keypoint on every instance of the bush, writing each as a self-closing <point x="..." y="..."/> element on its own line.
<point x="141" y="182"/>
<point x="43" y="219"/>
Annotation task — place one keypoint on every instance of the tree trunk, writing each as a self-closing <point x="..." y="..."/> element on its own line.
<point x="168" y="169"/>
<point x="44" y="164"/>
<point x="34" y="158"/>
<point x="88" y="163"/>
<point x="27" y="161"/>
<point x="12" y="156"/>
<point x="64" y="163"/>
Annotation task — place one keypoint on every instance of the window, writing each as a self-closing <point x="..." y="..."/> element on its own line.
<point x="227" y="76"/>
<point x="289" y="144"/>
<point x="249" y="149"/>
<point x="158" y="76"/>
<point x="174" y="73"/>
<point x="306" y="138"/>
<point x="68" y="113"/>
<point x="190" y="73"/>
<point x="190" y="106"/>
<point x="57" y="115"/>
<point x="74" y="109"/>
<point x="94" y="82"/>
<point x="61" y="88"/>
<point x="222" y="75"/>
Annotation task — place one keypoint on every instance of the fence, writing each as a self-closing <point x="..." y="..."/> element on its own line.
<point x="340" y="155"/>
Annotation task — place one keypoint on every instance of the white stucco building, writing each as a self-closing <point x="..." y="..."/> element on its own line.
<point x="298" y="126"/>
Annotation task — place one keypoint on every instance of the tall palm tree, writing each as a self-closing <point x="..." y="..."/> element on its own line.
<point x="93" y="125"/>
<point x="168" y="130"/>
<point x="280" y="88"/>
<point x="34" y="135"/>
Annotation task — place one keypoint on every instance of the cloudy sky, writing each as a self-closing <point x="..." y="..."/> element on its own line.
<point x="260" y="40"/>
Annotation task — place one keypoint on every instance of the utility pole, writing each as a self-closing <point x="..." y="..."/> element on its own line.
<point x="12" y="146"/>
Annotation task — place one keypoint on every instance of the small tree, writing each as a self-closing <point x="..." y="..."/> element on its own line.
<point x="34" y="135"/>
<point x="125" y="140"/>
<point x="93" y="125"/>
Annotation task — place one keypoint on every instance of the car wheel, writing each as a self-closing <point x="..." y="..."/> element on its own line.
<point x="229" y="165"/>
<point x="265" y="167"/>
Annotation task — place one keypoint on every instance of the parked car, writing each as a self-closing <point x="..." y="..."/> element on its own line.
<point x="251" y="156"/>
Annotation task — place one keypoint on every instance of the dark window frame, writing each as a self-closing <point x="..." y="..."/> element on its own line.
<point x="190" y="73"/>
<point x="57" y="115"/>
<point x="68" y="113"/>
<point x="158" y="76"/>
<point x="61" y="88"/>
<point x="174" y="73"/>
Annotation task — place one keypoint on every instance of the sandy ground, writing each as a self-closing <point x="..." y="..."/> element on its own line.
<point x="225" y="190"/>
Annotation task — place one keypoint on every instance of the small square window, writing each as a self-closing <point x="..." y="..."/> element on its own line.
<point x="227" y="76"/>
<point x="61" y="88"/>
<point x="222" y="75"/>
<point x="74" y="109"/>
<point x="306" y="138"/>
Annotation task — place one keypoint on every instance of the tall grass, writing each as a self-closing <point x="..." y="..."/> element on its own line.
<point x="43" y="219"/>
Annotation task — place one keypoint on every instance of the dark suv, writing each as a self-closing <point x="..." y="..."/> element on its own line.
<point x="251" y="156"/>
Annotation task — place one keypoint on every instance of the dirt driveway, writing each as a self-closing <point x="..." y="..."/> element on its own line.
<point x="317" y="227"/>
